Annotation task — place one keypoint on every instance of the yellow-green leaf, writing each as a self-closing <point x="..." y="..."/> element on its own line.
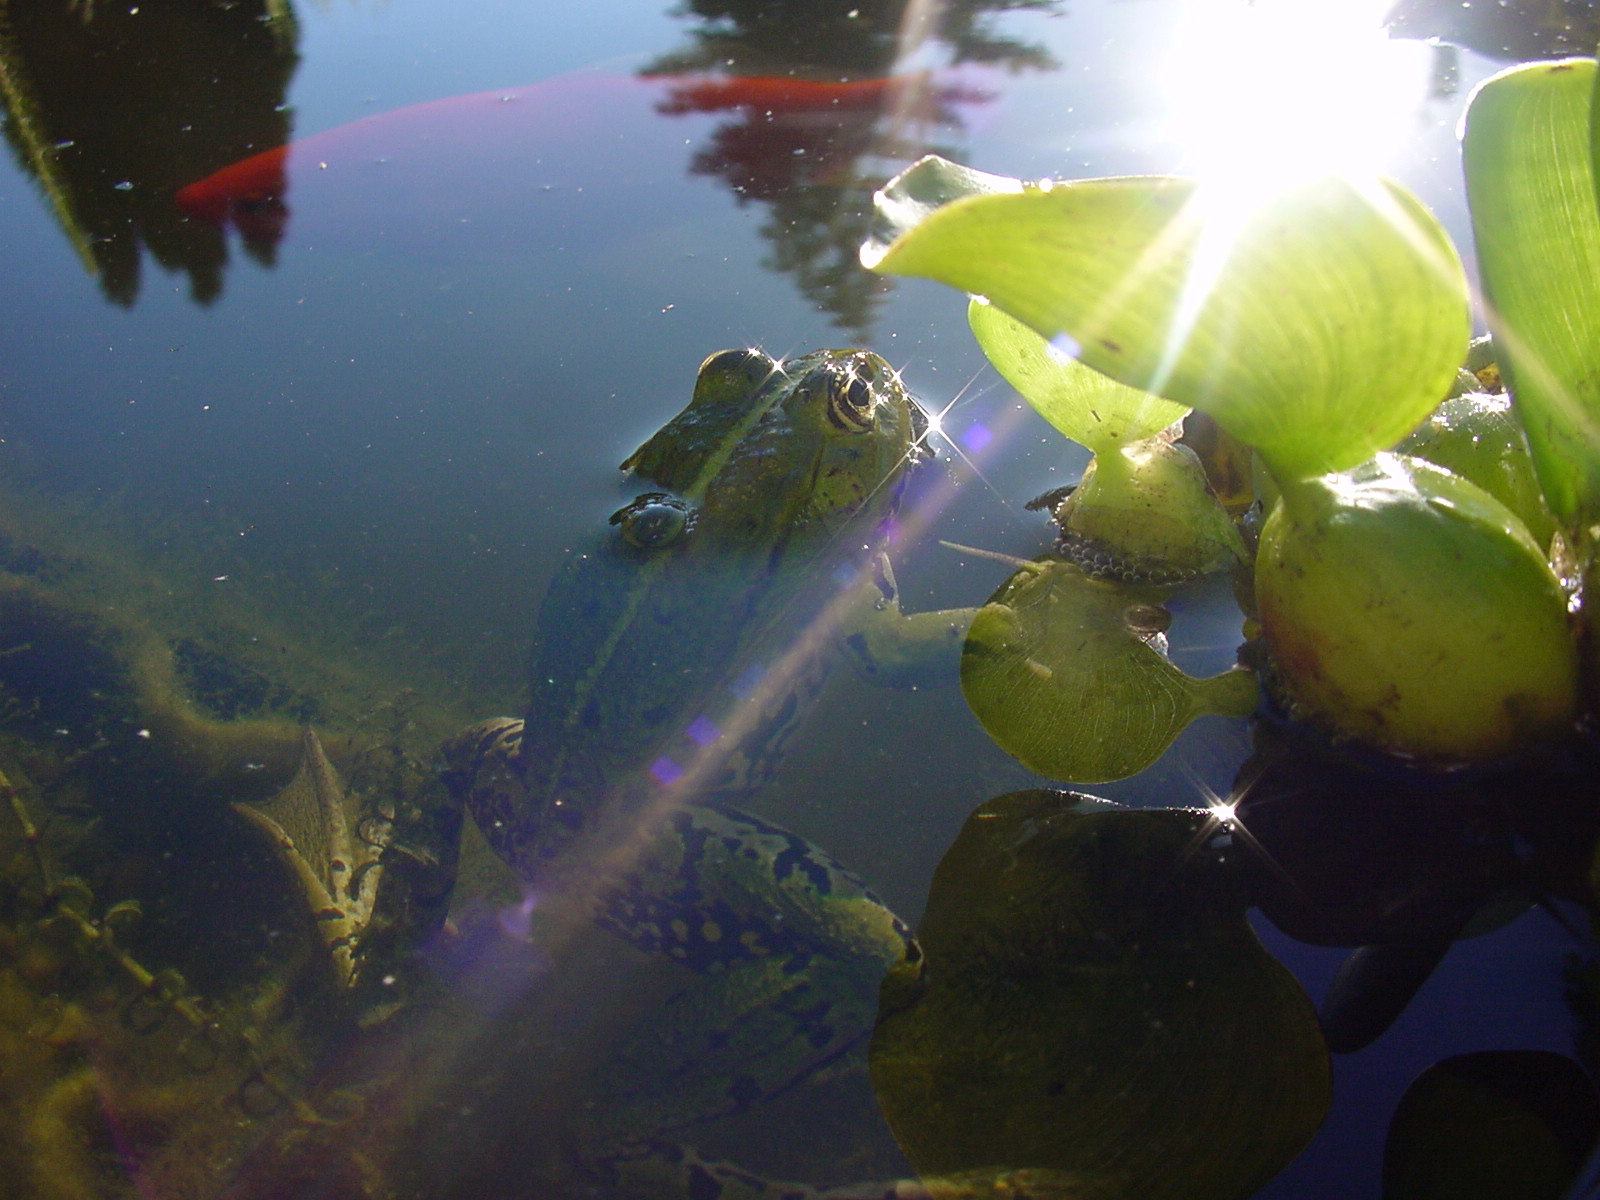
<point x="1319" y="324"/>
<point x="1090" y="408"/>
<point x="1068" y="674"/>
<point x="1530" y="183"/>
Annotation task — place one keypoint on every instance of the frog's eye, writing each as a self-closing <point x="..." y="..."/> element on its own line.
<point x="851" y="400"/>
<point x="654" y="520"/>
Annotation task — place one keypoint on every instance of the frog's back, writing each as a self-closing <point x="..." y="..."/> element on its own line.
<point x="625" y="669"/>
<point x="682" y="649"/>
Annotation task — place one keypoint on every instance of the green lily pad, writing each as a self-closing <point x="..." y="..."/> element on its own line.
<point x="1319" y="326"/>
<point x="1530" y="184"/>
<point x="1086" y="1015"/>
<point x="1090" y="408"/>
<point x="1067" y="674"/>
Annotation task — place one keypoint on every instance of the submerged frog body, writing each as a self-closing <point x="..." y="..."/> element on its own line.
<point x="671" y="659"/>
<point x="670" y="664"/>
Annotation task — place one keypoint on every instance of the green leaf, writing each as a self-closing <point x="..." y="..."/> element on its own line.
<point x="927" y="184"/>
<point x="1087" y="1015"/>
<point x="1530" y="185"/>
<point x="1319" y="326"/>
<point x="1090" y="408"/>
<point x="1066" y="673"/>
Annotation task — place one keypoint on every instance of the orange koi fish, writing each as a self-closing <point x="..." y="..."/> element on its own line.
<point x="250" y="195"/>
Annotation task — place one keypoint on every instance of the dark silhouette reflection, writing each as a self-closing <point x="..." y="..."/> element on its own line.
<point x="842" y="38"/>
<point x="817" y="177"/>
<point x="1397" y="864"/>
<point x="117" y="111"/>
<point x="806" y="162"/>
<point x="1510" y="30"/>
<point x="111" y="108"/>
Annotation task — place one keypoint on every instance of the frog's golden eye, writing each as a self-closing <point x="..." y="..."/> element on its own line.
<point x="654" y="520"/>
<point x="851" y="401"/>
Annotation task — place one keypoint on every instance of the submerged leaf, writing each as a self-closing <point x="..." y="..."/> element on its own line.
<point x="1065" y="673"/>
<point x="1319" y="325"/>
<point x="1490" y="1125"/>
<point x="1530" y="184"/>
<point x="1087" y="1015"/>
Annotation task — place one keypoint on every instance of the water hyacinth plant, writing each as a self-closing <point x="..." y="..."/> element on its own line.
<point x="1404" y="604"/>
<point x="1422" y="581"/>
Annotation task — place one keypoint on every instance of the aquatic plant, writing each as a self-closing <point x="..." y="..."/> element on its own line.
<point x="1321" y="324"/>
<point x="1423" y="584"/>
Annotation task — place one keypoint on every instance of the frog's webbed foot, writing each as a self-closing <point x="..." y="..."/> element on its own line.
<point x="338" y="874"/>
<point x="904" y="649"/>
<point x="377" y="890"/>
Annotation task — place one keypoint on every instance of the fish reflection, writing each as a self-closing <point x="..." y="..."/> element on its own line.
<point x="796" y="144"/>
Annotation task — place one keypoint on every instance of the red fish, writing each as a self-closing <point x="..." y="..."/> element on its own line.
<point x="250" y="195"/>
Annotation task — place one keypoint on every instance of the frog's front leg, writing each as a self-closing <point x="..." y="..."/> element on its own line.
<point x="483" y="773"/>
<point x="908" y="650"/>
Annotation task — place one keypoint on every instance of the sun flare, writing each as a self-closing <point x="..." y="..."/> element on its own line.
<point x="1272" y="92"/>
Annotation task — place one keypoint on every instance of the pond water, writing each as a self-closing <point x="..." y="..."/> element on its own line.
<point x="331" y="446"/>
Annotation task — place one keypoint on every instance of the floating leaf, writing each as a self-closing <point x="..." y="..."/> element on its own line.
<point x="1087" y="1015"/>
<point x="1090" y="408"/>
<point x="1530" y="185"/>
<point x="1067" y="674"/>
<point x="1320" y="326"/>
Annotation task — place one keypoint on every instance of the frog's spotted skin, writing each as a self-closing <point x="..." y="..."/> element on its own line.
<point x="715" y="887"/>
<point x="671" y="663"/>
<point x="788" y="949"/>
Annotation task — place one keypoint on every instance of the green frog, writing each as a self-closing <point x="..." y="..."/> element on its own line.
<point x="670" y="665"/>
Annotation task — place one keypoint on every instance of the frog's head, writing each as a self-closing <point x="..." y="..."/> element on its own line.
<point x="778" y="453"/>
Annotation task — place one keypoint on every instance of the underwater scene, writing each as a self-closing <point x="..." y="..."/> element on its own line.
<point x="738" y="599"/>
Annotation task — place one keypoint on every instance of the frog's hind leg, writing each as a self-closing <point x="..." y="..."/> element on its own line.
<point x="787" y="951"/>
<point x="309" y="829"/>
